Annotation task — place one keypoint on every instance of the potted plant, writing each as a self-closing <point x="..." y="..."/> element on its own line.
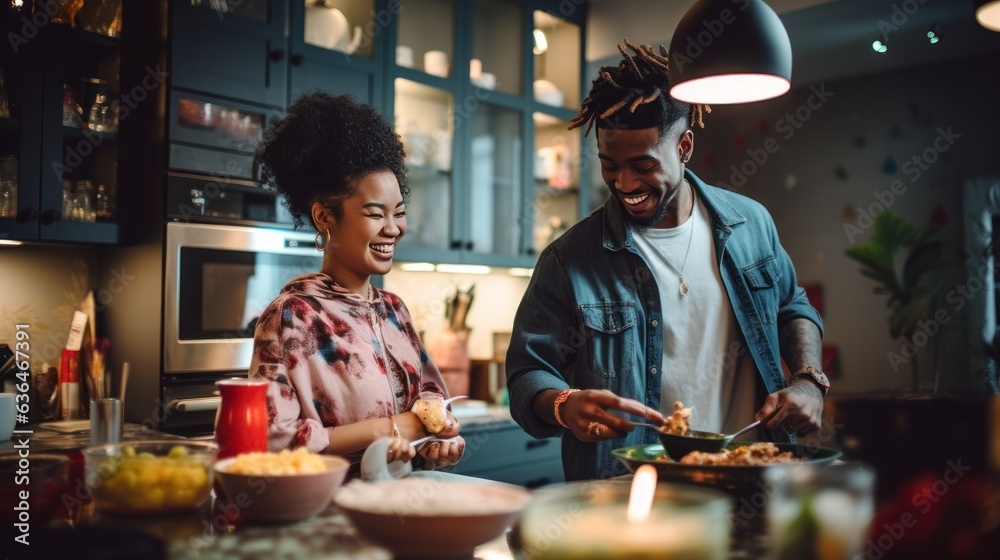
<point x="900" y="258"/>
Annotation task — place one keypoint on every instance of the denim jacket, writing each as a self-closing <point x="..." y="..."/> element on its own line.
<point x="591" y="317"/>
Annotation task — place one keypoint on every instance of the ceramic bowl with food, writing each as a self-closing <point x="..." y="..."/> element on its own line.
<point x="282" y="487"/>
<point x="44" y="477"/>
<point x="679" y="446"/>
<point x="430" y="517"/>
<point x="150" y="477"/>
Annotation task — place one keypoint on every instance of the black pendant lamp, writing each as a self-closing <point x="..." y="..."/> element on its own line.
<point x="726" y="51"/>
<point x="988" y="14"/>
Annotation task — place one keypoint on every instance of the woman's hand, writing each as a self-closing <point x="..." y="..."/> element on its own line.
<point x="400" y="449"/>
<point x="443" y="453"/>
<point x="451" y="427"/>
<point x="587" y="414"/>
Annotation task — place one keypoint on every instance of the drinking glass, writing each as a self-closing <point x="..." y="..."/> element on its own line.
<point x="819" y="512"/>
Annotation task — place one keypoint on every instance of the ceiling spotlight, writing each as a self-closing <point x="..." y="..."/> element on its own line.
<point x="988" y="14"/>
<point x="934" y="34"/>
<point x="879" y="47"/>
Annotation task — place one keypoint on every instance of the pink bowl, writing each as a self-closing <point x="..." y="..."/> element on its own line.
<point x="282" y="498"/>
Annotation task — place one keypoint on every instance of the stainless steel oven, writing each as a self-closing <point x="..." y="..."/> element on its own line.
<point x="218" y="279"/>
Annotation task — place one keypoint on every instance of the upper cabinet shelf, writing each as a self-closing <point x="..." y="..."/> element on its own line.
<point x="61" y="94"/>
<point x="481" y="92"/>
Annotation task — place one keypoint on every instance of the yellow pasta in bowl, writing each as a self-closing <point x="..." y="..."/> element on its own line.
<point x="284" y="462"/>
<point x="281" y="487"/>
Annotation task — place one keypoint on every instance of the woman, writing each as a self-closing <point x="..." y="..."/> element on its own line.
<point x="344" y="360"/>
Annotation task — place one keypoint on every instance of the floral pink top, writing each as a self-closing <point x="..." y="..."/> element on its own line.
<point x="334" y="358"/>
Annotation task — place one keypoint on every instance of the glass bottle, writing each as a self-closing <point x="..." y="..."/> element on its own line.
<point x="4" y="104"/>
<point x="103" y="205"/>
<point x="83" y="206"/>
<point x="98" y="118"/>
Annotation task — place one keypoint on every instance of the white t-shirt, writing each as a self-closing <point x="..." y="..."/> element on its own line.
<point x="705" y="365"/>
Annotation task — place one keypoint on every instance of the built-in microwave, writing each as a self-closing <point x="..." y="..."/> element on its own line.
<point x="218" y="280"/>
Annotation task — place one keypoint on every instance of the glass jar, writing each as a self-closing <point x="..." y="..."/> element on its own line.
<point x="83" y="202"/>
<point x="589" y="520"/>
<point x="819" y="512"/>
<point x="67" y="199"/>
<point x="8" y="186"/>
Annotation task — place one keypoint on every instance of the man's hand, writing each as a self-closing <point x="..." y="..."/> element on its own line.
<point x="797" y="408"/>
<point x="587" y="413"/>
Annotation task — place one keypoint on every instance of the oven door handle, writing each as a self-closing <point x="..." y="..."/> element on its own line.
<point x="195" y="405"/>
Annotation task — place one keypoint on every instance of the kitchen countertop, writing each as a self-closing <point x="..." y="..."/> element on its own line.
<point x="72" y="436"/>
<point x="211" y="532"/>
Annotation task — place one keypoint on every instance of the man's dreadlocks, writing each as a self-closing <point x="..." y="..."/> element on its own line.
<point x="640" y="83"/>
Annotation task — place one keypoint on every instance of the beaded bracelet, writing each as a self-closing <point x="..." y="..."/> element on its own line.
<point x="559" y="400"/>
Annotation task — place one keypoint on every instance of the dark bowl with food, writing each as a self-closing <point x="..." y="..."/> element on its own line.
<point x="678" y="446"/>
<point x="42" y="478"/>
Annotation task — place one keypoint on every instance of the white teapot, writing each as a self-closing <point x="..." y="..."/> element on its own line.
<point x="327" y="27"/>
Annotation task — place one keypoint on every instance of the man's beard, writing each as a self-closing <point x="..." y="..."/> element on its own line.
<point x="662" y="209"/>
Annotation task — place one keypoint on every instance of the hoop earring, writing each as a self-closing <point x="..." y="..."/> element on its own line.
<point x="322" y="240"/>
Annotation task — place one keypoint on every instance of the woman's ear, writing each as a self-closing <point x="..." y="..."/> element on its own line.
<point x="321" y="216"/>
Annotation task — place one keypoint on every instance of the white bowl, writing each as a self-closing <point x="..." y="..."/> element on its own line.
<point x="282" y="498"/>
<point x="424" y="517"/>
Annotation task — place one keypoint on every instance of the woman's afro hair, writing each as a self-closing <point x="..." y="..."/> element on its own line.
<point x="322" y="146"/>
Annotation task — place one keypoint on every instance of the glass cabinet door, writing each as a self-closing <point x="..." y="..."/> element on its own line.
<point x="496" y="62"/>
<point x="427" y="36"/>
<point x="11" y="85"/>
<point x="424" y="121"/>
<point x="340" y="25"/>
<point x="557" y="61"/>
<point x="495" y="191"/>
<point x="557" y="179"/>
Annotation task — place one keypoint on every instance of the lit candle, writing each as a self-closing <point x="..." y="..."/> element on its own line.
<point x="612" y="519"/>
<point x="640" y="499"/>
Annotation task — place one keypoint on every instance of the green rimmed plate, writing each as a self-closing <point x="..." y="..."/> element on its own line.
<point x="726" y="477"/>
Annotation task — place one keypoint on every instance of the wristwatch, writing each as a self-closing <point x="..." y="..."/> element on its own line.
<point x="816" y="375"/>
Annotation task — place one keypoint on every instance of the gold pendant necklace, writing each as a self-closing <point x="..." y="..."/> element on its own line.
<point x="680" y="272"/>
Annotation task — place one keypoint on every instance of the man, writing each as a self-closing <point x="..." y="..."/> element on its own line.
<point x="673" y="290"/>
